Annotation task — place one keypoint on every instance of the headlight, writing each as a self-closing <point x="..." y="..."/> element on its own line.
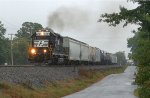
<point x="42" y="33"/>
<point x="44" y="50"/>
<point x="33" y="51"/>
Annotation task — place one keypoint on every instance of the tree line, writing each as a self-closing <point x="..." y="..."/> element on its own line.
<point x="139" y="43"/>
<point x="20" y="43"/>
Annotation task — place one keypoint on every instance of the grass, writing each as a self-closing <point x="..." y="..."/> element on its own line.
<point x="136" y="92"/>
<point x="60" y="88"/>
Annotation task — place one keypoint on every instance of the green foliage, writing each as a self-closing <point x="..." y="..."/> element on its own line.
<point x="140" y="48"/>
<point x="142" y="78"/>
<point x="6" y="50"/>
<point x="4" y="86"/>
<point x="21" y="41"/>
<point x="121" y="59"/>
<point x="144" y="92"/>
<point x="2" y="30"/>
<point x="4" y="46"/>
<point x="130" y="56"/>
<point x="2" y="58"/>
<point x="28" y="28"/>
<point x="134" y="16"/>
<point x="140" y="43"/>
<point x="20" y="50"/>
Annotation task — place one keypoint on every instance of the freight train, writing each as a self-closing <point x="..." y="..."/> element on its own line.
<point x="52" y="48"/>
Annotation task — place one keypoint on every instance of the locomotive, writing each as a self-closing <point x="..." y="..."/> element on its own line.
<point x="52" y="48"/>
<point x="46" y="47"/>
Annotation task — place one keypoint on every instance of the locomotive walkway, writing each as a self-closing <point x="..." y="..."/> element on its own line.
<point x="113" y="86"/>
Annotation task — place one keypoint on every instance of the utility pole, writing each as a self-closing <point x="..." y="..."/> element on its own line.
<point x="12" y="63"/>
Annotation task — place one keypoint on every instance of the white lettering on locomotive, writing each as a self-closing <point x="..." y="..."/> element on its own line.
<point x="40" y="43"/>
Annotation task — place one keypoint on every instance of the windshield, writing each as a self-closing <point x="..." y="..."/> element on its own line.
<point x="41" y="37"/>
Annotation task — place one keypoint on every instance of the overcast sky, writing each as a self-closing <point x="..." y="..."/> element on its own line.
<point x="78" y="17"/>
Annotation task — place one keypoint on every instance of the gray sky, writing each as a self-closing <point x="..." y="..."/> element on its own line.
<point x="79" y="19"/>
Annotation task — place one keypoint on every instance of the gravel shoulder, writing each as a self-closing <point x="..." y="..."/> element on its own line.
<point x="41" y="75"/>
<point x="113" y="86"/>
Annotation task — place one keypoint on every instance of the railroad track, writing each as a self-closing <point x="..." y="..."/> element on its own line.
<point x="43" y="65"/>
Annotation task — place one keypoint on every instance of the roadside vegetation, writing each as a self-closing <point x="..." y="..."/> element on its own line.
<point x="57" y="89"/>
<point x="139" y="43"/>
<point x="20" y="43"/>
<point x="136" y="92"/>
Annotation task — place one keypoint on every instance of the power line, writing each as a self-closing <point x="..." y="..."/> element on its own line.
<point x="9" y="23"/>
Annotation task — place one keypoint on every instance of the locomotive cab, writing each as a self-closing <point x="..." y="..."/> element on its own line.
<point x="46" y="47"/>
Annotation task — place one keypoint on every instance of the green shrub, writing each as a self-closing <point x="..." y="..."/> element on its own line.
<point x="143" y="75"/>
<point x="4" y="86"/>
<point x="144" y="91"/>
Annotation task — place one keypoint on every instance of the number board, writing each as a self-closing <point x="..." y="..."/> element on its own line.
<point x="40" y="43"/>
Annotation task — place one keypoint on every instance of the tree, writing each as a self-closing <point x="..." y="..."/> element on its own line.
<point x="3" y="45"/>
<point x="21" y="41"/>
<point x="2" y="56"/>
<point x="2" y="30"/>
<point x="28" y="28"/>
<point x="121" y="59"/>
<point x="140" y="43"/>
<point x="20" y="48"/>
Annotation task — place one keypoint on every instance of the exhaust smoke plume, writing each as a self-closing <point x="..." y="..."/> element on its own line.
<point x="83" y="26"/>
<point x="68" y="18"/>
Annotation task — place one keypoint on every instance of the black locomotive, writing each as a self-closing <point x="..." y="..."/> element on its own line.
<point x="46" y="47"/>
